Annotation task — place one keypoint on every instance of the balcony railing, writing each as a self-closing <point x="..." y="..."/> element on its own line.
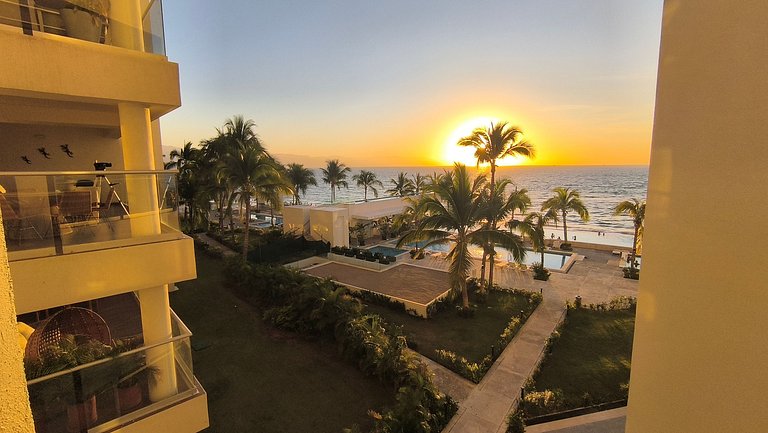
<point x="90" y="20"/>
<point x="55" y="213"/>
<point x="105" y="394"/>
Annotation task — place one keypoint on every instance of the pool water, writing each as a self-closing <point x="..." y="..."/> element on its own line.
<point x="552" y="260"/>
<point x="387" y="251"/>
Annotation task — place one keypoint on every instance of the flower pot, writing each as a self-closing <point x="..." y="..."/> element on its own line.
<point x="81" y="416"/>
<point x="129" y="397"/>
<point x="81" y="24"/>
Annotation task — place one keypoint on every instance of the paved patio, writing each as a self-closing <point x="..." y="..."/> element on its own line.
<point x="414" y="283"/>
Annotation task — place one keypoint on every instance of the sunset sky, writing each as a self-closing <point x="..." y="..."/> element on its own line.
<point x="394" y="83"/>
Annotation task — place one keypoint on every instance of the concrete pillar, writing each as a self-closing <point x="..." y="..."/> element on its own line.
<point x="125" y="24"/>
<point x="15" y="413"/>
<point x="139" y="153"/>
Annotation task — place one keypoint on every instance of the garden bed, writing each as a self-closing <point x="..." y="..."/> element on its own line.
<point x="478" y="339"/>
<point x="588" y="360"/>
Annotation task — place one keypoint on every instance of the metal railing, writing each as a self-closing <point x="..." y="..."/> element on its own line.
<point x="105" y="394"/>
<point x="72" y="18"/>
<point x="55" y="213"/>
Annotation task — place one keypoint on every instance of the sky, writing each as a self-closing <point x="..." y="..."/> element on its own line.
<point x="395" y="83"/>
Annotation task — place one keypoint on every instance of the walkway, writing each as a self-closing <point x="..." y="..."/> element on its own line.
<point x="596" y="278"/>
<point x="214" y="244"/>
<point x="486" y="408"/>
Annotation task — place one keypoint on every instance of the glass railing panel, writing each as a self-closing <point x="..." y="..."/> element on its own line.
<point x="97" y="21"/>
<point x="109" y="392"/>
<point x="67" y="212"/>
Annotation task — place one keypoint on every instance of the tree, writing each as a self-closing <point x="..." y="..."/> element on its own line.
<point x="252" y="171"/>
<point x="533" y="226"/>
<point x="498" y="207"/>
<point x="300" y="178"/>
<point x="368" y="180"/>
<point x="335" y="174"/>
<point x="452" y="212"/>
<point x="564" y="201"/>
<point x="418" y="181"/>
<point x="401" y="186"/>
<point x="493" y="143"/>
<point x="496" y="142"/>
<point x="634" y="209"/>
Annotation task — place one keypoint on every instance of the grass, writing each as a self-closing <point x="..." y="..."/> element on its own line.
<point x="468" y="337"/>
<point x="592" y="356"/>
<point x="262" y="379"/>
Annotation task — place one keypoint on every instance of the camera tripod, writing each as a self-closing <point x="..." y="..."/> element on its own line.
<point x="111" y="195"/>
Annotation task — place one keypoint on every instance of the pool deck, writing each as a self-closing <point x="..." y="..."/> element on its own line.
<point x="414" y="283"/>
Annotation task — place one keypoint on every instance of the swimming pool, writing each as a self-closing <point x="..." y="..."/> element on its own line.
<point x="554" y="261"/>
<point x="387" y="251"/>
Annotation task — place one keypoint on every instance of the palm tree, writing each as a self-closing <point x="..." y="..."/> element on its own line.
<point x="492" y="143"/>
<point x="335" y="173"/>
<point x="401" y="186"/>
<point x="498" y="207"/>
<point x="367" y="179"/>
<point x="533" y="226"/>
<point x="301" y="178"/>
<point x="179" y="157"/>
<point x="452" y="213"/>
<point x="417" y="182"/>
<point x="251" y="170"/>
<point x="634" y="209"/>
<point x="496" y="142"/>
<point x="565" y="200"/>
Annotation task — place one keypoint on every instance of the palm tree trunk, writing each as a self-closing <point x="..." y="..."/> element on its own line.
<point x="490" y="270"/>
<point x="464" y="294"/>
<point x="565" y="228"/>
<point x="333" y="193"/>
<point x="482" y="270"/>
<point x="365" y="193"/>
<point x="246" y="234"/>
<point x="634" y="248"/>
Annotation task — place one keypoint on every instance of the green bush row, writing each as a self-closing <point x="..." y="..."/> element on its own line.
<point x="319" y="308"/>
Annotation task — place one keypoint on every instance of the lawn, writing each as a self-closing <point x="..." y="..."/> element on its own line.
<point x="468" y="337"/>
<point x="592" y="356"/>
<point x="260" y="379"/>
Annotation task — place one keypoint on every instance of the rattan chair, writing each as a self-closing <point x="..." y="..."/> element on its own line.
<point x="16" y="225"/>
<point x="79" y="322"/>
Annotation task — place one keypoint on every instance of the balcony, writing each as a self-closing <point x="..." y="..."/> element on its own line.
<point x="74" y="236"/>
<point x="114" y="393"/>
<point x="92" y="21"/>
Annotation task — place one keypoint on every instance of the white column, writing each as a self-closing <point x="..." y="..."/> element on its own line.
<point x="125" y="24"/>
<point x="14" y="398"/>
<point x="139" y="154"/>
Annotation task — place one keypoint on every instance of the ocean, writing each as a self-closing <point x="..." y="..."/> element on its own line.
<point x="601" y="189"/>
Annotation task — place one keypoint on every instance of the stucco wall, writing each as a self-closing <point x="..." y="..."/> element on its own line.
<point x="700" y="348"/>
<point x="15" y="414"/>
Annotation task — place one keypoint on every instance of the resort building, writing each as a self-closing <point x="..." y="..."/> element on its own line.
<point x="332" y="223"/>
<point x="90" y="243"/>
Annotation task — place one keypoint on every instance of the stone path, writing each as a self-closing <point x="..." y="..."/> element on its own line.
<point x="446" y="380"/>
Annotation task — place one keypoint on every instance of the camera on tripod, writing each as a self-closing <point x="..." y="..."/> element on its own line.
<point x="101" y="166"/>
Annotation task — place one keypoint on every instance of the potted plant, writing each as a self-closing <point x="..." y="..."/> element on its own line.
<point x="77" y="390"/>
<point x="83" y="19"/>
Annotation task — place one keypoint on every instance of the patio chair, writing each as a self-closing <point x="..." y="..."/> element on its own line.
<point x="15" y="225"/>
<point x="75" y="206"/>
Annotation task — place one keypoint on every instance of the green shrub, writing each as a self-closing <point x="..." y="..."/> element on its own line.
<point x="317" y="307"/>
<point x="540" y="272"/>
<point x="546" y="401"/>
<point x="515" y="423"/>
<point x="631" y="273"/>
<point x="566" y="246"/>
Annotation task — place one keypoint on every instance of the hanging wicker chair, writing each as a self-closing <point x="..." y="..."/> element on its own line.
<point x="82" y="323"/>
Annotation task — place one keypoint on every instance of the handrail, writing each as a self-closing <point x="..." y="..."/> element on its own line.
<point x="83" y="173"/>
<point x="186" y="334"/>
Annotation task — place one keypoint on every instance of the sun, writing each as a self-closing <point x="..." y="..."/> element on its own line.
<point x="464" y="154"/>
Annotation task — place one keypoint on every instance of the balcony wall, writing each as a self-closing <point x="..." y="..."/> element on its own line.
<point x="61" y="69"/>
<point x="105" y="384"/>
<point x="72" y="238"/>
